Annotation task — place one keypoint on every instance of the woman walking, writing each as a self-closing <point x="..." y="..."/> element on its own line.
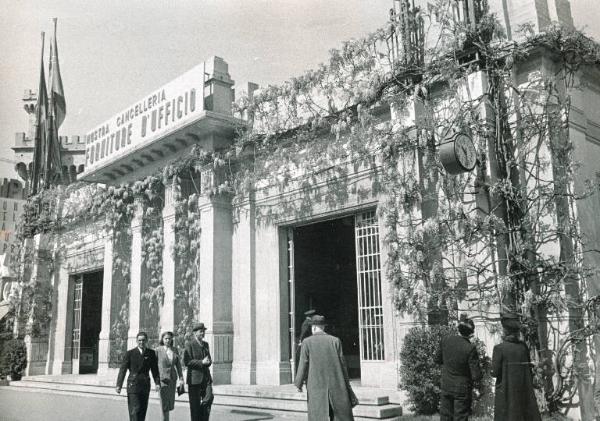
<point x="515" y="399"/>
<point x="171" y="375"/>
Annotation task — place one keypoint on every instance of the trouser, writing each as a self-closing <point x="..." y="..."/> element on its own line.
<point x="297" y="358"/>
<point x="199" y="406"/>
<point x="137" y="404"/>
<point x="454" y="408"/>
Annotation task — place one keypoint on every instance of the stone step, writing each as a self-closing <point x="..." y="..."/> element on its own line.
<point x="275" y="398"/>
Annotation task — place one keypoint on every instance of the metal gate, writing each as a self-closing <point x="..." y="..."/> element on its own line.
<point x="368" y="276"/>
<point x="76" y="342"/>
<point x="291" y="293"/>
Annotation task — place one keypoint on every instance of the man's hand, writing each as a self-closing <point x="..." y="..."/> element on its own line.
<point x="206" y="360"/>
<point x="157" y="387"/>
<point x="118" y="390"/>
<point x="476" y="393"/>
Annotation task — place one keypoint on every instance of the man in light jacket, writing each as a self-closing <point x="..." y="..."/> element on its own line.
<point x="323" y="367"/>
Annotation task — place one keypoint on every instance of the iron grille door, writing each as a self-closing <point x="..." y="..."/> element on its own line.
<point x="77" y="295"/>
<point x="291" y="292"/>
<point x="368" y="272"/>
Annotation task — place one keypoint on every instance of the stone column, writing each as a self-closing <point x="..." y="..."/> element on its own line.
<point x="135" y="288"/>
<point x="64" y="321"/>
<point x="107" y="310"/>
<point x="215" y="282"/>
<point x="167" y="313"/>
<point x="272" y="306"/>
<point x="37" y="347"/>
<point x="243" y="296"/>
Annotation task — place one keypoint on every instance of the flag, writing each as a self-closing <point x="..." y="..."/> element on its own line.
<point x="41" y="114"/>
<point x="53" y="167"/>
<point x="57" y="95"/>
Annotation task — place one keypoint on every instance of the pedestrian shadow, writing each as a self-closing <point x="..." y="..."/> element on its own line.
<point x="261" y="415"/>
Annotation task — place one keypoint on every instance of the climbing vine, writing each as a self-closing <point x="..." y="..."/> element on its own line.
<point x="368" y="126"/>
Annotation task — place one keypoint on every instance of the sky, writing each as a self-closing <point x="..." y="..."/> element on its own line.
<point x="114" y="52"/>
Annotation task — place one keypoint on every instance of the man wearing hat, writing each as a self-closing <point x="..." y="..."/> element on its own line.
<point x="305" y="329"/>
<point x="305" y="332"/>
<point x="196" y="358"/>
<point x="514" y="399"/>
<point x="323" y="367"/>
<point x="461" y="372"/>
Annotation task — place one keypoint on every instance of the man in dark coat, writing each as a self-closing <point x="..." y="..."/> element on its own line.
<point x="139" y="361"/>
<point x="305" y="332"/>
<point x="196" y="358"/>
<point x="515" y="399"/>
<point x="323" y="367"/>
<point x="306" y="328"/>
<point x="461" y="373"/>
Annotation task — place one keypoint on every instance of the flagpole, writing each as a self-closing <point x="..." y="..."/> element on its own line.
<point x="37" y="145"/>
<point x="50" y="137"/>
<point x="53" y="162"/>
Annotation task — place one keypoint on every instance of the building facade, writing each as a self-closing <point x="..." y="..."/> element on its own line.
<point x="259" y="261"/>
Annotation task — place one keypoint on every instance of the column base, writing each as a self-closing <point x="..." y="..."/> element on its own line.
<point x="61" y="367"/>
<point x="66" y="367"/>
<point x="273" y="373"/>
<point x="379" y="374"/>
<point x="243" y="372"/>
<point x="221" y="373"/>
<point x="105" y="371"/>
<point x="37" y="355"/>
<point x="103" y="350"/>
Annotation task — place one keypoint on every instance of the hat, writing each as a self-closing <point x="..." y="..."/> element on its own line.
<point x="198" y="326"/>
<point x="318" y="321"/>
<point x="310" y="312"/>
<point x="510" y="321"/>
<point x="465" y="325"/>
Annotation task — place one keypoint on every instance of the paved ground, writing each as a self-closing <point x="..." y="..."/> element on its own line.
<point x="33" y="405"/>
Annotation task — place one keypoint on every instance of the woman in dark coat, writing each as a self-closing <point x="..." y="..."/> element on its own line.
<point x="515" y="399"/>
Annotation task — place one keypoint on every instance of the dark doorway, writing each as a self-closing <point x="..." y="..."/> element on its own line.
<point x="325" y="280"/>
<point x="91" y="321"/>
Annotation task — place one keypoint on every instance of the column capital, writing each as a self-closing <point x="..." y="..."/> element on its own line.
<point x="138" y="212"/>
<point x="172" y="190"/>
<point x="211" y="178"/>
<point x="221" y="201"/>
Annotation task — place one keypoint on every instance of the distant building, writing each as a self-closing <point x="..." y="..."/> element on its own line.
<point x="72" y="148"/>
<point x="12" y="199"/>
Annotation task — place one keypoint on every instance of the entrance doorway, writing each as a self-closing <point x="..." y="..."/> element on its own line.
<point x="324" y="279"/>
<point x="87" y="320"/>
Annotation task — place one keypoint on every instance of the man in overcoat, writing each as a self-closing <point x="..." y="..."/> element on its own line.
<point x="323" y="367"/>
<point x="139" y="361"/>
<point x="197" y="359"/>
<point x="514" y="399"/>
<point x="461" y="373"/>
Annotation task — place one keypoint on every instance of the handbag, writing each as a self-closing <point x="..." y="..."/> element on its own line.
<point x="180" y="389"/>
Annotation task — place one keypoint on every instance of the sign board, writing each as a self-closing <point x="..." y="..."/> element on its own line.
<point x="86" y="358"/>
<point x="156" y="115"/>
